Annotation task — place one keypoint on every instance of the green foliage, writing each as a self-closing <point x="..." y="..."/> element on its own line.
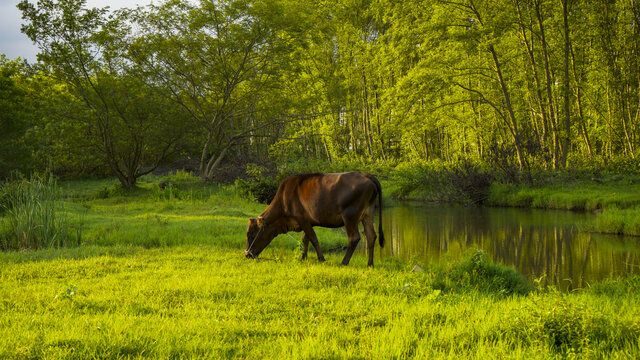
<point x="505" y="85"/>
<point x="112" y="112"/>
<point x="33" y="217"/>
<point x="476" y="272"/>
<point x="15" y="118"/>
<point x="257" y="187"/>
<point x="577" y="194"/>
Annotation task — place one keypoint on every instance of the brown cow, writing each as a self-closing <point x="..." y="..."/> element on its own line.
<point x="327" y="200"/>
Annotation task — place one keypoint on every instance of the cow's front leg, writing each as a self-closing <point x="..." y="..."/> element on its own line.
<point x="305" y="246"/>
<point x="311" y="235"/>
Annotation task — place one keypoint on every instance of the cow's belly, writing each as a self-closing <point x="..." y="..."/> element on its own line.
<point x="330" y="219"/>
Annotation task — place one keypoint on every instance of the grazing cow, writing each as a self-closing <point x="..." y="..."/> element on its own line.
<point x="327" y="200"/>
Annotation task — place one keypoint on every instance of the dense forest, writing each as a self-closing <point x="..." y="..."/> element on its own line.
<point x="519" y="84"/>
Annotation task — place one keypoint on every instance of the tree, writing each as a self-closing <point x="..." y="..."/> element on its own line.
<point x="14" y="118"/>
<point x="221" y="63"/>
<point x="132" y="130"/>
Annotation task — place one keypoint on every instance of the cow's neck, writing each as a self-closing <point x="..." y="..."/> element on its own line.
<point x="277" y="222"/>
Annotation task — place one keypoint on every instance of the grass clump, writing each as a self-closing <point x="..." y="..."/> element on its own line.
<point x="617" y="221"/>
<point x="618" y="288"/>
<point x="475" y="271"/>
<point x="573" y="326"/>
<point x="33" y="216"/>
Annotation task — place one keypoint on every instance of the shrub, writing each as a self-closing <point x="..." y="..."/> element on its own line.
<point x="469" y="183"/>
<point x="33" y="219"/>
<point x="475" y="272"/>
<point x="257" y="187"/>
<point x="463" y="182"/>
<point x="262" y="191"/>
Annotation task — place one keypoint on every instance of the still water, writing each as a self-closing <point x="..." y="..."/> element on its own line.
<point x="540" y="244"/>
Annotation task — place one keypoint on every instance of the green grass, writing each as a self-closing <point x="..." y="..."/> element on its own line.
<point x="575" y="196"/>
<point x="617" y="221"/>
<point x="204" y="301"/>
<point x="162" y="276"/>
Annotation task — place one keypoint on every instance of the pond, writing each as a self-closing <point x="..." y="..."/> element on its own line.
<point x="540" y="244"/>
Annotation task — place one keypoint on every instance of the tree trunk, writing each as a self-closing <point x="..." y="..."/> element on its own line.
<point x="548" y="80"/>
<point x="507" y="101"/>
<point x="566" y="86"/>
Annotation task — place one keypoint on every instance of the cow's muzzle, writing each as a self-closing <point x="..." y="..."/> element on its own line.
<point x="249" y="255"/>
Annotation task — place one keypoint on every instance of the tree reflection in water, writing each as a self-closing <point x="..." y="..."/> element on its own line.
<point x="540" y="244"/>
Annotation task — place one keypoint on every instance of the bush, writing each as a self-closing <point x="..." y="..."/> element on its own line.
<point x="262" y="191"/>
<point x="33" y="219"/>
<point x="257" y="187"/>
<point x="469" y="183"/>
<point x="462" y="182"/>
<point x="476" y="272"/>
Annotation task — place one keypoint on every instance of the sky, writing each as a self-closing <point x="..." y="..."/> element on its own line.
<point x="15" y="44"/>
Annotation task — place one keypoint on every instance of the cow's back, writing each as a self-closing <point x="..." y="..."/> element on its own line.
<point x="320" y="199"/>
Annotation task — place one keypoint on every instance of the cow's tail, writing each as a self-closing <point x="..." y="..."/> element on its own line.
<point x="379" y="190"/>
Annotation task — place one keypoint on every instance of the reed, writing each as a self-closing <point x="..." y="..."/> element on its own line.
<point x="33" y="216"/>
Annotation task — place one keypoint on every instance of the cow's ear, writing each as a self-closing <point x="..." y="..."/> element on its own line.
<point x="260" y="221"/>
<point x="252" y="221"/>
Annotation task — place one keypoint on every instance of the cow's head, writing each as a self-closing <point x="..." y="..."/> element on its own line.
<point x="257" y="237"/>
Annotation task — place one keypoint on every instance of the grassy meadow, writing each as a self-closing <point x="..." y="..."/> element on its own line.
<point x="160" y="274"/>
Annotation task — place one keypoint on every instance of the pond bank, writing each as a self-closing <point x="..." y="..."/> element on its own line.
<point x="615" y="199"/>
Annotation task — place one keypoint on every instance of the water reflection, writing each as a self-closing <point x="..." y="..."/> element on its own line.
<point x="540" y="244"/>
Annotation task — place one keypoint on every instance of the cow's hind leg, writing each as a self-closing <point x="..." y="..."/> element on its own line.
<point x="351" y="225"/>
<point x="311" y="236"/>
<point x="305" y="246"/>
<point x="370" y="233"/>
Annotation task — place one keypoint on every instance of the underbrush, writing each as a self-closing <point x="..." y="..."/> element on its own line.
<point x="463" y="182"/>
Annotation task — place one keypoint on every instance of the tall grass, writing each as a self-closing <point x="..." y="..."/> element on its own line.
<point x="32" y="215"/>
<point x="617" y="221"/>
